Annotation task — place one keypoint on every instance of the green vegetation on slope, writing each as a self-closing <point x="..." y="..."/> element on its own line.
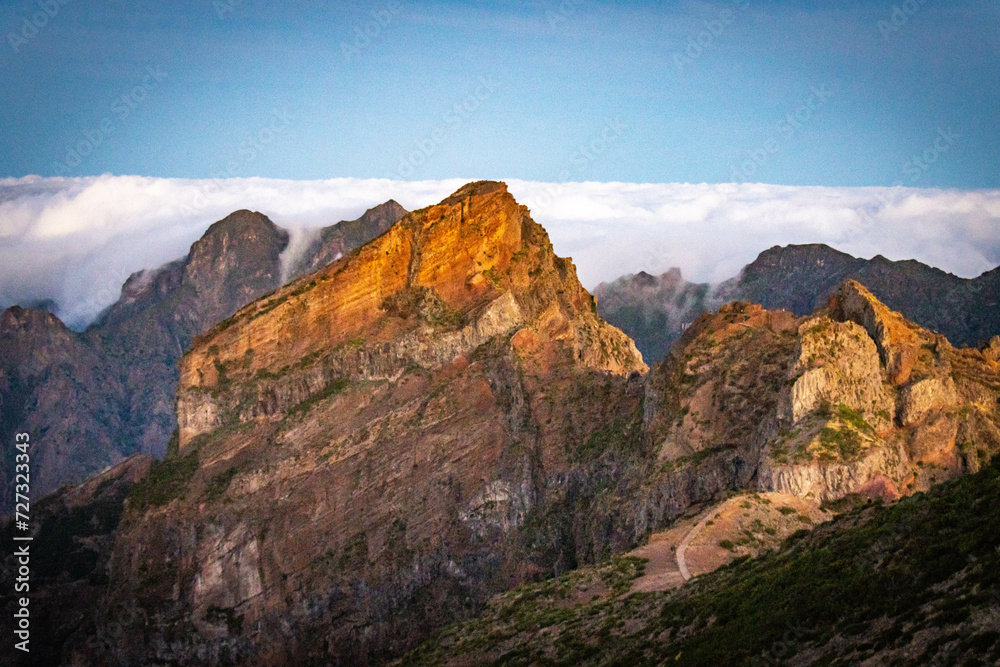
<point x="912" y="583"/>
<point x="167" y="479"/>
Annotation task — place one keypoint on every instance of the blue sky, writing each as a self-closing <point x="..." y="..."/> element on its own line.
<point x="838" y="93"/>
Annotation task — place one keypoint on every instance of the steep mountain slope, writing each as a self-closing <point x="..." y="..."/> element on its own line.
<point x="850" y="402"/>
<point x="160" y="312"/>
<point x="372" y="450"/>
<point x="800" y="279"/>
<point x="91" y="399"/>
<point x="913" y="584"/>
<point x="47" y="376"/>
<point x="403" y="485"/>
<point x="852" y="399"/>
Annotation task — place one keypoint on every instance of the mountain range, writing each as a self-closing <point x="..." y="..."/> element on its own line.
<point x="390" y="444"/>
<point x="653" y="310"/>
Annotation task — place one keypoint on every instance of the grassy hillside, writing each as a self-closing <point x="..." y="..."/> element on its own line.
<point x="917" y="582"/>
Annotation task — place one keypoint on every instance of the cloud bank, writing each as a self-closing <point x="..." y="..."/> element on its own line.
<point x="75" y="240"/>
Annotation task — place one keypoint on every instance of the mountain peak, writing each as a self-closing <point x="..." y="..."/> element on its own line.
<point x="388" y="207"/>
<point x="416" y="402"/>
<point x="32" y="321"/>
<point x="439" y="283"/>
<point x="240" y="220"/>
<point x="240" y="231"/>
<point x="475" y="189"/>
<point x="796" y="255"/>
<point x="895" y="337"/>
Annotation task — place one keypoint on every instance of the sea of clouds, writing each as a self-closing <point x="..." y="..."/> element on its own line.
<point x="74" y="241"/>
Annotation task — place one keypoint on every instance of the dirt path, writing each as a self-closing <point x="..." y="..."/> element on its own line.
<point x="694" y="532"/>
<point x="662" y="571"/>
<point x="745" y="524"/>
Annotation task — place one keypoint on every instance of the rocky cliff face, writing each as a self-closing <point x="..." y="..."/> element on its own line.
<point x="92" y="399"/>
<point x="381" y="443"/>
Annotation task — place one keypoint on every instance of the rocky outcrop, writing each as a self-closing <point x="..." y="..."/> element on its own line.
<point x="876" y="473"/>
<point x="895" y="338"/>
<point x="920" y="398"/>
<point x="853" y="399"/>
<point x="384" y="442"/>
<point x="838" y="363"/>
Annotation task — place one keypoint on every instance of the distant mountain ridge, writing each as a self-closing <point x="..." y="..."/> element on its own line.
<point x="655" y="310"/>
<point x="800" y="279"/>
<point x="90" y="399"/>
<point x="337" y="240"/>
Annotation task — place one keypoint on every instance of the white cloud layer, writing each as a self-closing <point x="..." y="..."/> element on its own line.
<point x="75" y="240"/>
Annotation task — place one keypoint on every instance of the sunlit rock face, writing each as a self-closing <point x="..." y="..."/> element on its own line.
<point x="384" y="442"/>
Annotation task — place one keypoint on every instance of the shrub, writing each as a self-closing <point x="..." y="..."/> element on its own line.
<point x="217" y="486"/>
<point x="326" y="392"/>
<point x="167" y="479"/>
